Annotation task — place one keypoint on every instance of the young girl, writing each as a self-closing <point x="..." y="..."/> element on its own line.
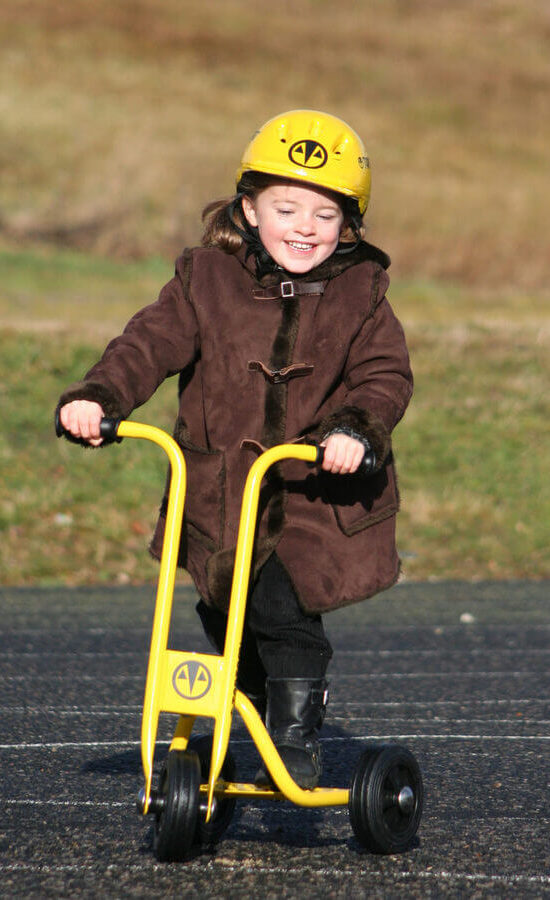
<point x="279" y="330"/>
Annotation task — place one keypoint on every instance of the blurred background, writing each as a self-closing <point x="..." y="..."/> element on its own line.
<point x="120" y="120"/>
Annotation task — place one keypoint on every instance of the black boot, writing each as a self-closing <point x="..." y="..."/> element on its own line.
<point x="295" y="712"/>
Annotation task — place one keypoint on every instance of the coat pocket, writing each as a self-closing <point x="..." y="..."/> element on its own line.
<point x="361" y="502"/>
<point x="205" y="499"/>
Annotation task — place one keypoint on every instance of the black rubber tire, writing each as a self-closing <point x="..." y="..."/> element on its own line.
<point x="176" y="820"/>
<point x="209" y="833"/>
<point x="386" y="798"/>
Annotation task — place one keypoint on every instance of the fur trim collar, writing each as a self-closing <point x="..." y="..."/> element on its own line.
<point x="330" y="268"/>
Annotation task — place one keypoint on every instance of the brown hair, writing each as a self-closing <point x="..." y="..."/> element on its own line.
<point x="225" y="222"/>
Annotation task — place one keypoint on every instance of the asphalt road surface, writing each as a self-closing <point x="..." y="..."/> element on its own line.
<point x="457" y="672"/>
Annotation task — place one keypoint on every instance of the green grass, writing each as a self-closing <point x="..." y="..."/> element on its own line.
<point x="54" y="290"/>
<point x="67" y="513"/>
<point x="472" y="450"/>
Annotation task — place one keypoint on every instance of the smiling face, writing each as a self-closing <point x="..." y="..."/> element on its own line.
<point x="298" y="225"/>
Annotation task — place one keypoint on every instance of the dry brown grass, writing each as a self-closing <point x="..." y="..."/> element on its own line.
<point x="121" y="119"/>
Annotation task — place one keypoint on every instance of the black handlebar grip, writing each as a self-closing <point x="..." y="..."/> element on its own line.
<point x="366" y="465"/>
<point x="108" y="430"/>
<point x="62" y="432"/>
<point x="59" y="430"/>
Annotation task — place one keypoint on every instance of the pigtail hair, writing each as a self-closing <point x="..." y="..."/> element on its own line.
<point x="220" y="229"/>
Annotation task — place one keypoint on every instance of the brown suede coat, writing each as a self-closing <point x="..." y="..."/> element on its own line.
<point x="264" y="369"/>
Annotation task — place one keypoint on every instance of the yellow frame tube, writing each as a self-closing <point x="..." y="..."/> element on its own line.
<point x="238" y="598"/>
<point x="277" y="769"/>
<point x="182" y="733"/>
<point x="165" y="588"/>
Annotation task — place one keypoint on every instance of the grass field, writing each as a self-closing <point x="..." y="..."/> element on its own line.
<point x="133" y="115"/>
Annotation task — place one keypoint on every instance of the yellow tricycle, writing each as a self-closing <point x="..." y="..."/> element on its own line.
<point x="196" y="793"/>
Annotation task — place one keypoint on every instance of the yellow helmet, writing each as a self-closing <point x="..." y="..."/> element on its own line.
<point x="313" y="147"/>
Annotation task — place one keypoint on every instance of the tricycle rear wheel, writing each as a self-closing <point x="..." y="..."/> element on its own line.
<point x="386" y="798"/>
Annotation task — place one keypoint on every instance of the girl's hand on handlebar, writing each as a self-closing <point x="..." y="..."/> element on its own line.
<point x="343" y="454"/>
<point x="83" y="419"/>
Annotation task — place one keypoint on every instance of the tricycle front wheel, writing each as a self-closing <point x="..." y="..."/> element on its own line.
<point x="177" y="806"/>
<point x="210" y="832"/>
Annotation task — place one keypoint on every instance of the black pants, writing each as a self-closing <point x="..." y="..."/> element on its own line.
<point x="280" y="640"/>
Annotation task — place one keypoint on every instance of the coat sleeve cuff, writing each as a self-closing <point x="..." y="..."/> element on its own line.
<point x="95" y="392"/>
<point x="361" y="424"/>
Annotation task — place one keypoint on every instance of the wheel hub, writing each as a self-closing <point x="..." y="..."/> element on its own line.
<point x="405" y="800"/>
<point x="156" y="802"/>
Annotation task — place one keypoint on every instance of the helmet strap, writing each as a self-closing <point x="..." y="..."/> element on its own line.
<point x="344" y="249"/>
<point x="265" y="264"/>
<point x="355" y="221"/>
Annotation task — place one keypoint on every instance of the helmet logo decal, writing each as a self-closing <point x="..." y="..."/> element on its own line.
<point x="191" y="680"/>
<point x="309" y="154"/>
